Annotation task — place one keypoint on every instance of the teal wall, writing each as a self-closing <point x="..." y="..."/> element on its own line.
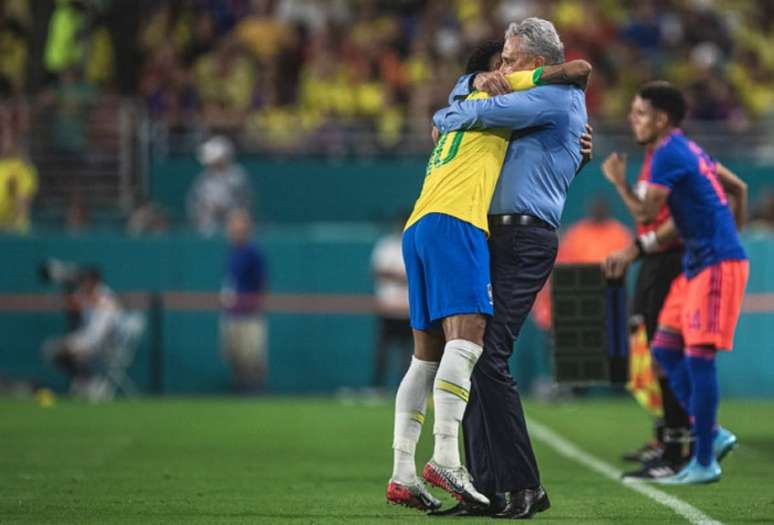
<point x="295" y="200"/>
<point x="304" y="190"/>
<point x="308" y="352"/>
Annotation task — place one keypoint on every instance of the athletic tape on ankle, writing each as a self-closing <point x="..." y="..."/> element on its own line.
<point x="406" y="445"/>
<point x="446" y="428"/>
<point x="678" y="435"/>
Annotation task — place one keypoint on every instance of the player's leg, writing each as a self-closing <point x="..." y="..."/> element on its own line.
<point x="677" y="426"/>
<point x="411" y="402"/>
<point x="700" y="360"/>
<point x="668" y="345"/>
<point x="703" y="467"/>
<point x="464" y="336"/>
<point x="666" y="454"/>
<point x="713" y="302"/>
<point x="410" y="409"/>
<point x="456" y="259"/>
<point x="404" y="487"/>
<point x="464" y="344"/>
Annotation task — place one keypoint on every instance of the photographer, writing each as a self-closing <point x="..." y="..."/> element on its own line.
<point x="76" y="352"/>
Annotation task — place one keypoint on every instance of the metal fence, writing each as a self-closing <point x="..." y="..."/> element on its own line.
<point x="87" y="152"/>
<point x="95" y="152"/>
<point x="753" y="141"/>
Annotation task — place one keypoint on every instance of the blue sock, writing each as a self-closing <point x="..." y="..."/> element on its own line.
<point x="668" y="351"/>
<point x="704" y="402"/>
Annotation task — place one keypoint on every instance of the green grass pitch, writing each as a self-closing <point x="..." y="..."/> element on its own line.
<point x="213" y="461"/>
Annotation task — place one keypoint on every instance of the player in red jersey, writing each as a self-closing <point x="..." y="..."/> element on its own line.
<point x="701" y="311"/>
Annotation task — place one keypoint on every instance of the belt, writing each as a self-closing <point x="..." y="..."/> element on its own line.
<point x="518" y="220"/>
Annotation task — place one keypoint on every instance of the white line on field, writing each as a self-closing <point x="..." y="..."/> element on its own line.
<point x="571" y="451"/>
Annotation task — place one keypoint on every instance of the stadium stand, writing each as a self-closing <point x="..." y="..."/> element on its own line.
<point x="110" y="105"/>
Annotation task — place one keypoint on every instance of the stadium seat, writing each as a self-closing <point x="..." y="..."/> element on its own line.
<point x="119" y="355"/>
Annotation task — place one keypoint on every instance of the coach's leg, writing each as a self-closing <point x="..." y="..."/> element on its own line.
<point x="464" y="341"/>
<point x="411" y="403"/>
<point x="521" y="261"/>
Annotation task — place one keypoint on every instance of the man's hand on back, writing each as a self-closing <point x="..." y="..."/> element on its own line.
<point x="586" y="143"/>
<point x="614" y="168"/>
<point x="493" y="83"/>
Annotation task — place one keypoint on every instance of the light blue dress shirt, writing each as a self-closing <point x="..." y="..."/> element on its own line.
<point x="544" y="152"/>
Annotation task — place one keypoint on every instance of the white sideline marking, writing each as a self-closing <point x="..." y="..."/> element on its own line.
<point x="571" y="451"/>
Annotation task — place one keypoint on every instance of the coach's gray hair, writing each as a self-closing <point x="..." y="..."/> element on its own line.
<point x="538" y="37"/>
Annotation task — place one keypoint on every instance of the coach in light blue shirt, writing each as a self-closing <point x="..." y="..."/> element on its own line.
<point x="542" y="158"/>
<point x="543" y="155"/>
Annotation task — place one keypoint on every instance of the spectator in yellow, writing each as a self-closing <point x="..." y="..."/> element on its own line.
<point x="225" y="80"/>
<point x="65" y="46"/>
<point x="18" y="185"/>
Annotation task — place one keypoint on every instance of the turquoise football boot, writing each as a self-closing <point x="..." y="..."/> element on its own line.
<point x="723" y="443"/>
<point x="694" y="474"/>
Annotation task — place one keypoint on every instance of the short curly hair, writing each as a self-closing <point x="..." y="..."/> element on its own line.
<point x="665" y="97"/>
<point x="482" y="55"/>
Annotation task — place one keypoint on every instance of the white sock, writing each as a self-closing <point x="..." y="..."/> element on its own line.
<point x="410" y="408"/>
<point x="450" y="393"/>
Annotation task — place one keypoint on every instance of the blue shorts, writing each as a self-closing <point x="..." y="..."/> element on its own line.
<point x="447" y="265"/>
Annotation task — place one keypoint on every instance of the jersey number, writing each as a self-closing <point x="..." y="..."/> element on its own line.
<point x="708" y="169"/>
<point x="435" y="159"/>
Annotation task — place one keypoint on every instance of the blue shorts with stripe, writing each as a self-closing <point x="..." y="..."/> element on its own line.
<point x="447" y="265"/>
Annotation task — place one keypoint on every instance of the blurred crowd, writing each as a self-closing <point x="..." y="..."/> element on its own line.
<point x="282" y="69"/>
<point x="285" y="74"/>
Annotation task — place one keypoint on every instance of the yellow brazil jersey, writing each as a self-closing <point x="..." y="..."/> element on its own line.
<point x="463" y="169"/>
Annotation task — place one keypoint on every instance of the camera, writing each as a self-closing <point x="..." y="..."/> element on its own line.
<point x="61" y="273"/>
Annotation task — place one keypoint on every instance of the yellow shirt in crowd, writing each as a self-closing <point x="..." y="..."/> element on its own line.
<point x="18" y="181"/>
<point x="464" y="167"/>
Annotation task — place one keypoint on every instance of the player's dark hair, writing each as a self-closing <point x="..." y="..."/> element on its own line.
<point x="482" y="55"/>
<point x="663" y="96"/>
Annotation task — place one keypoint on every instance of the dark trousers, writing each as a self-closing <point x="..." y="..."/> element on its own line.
<point x="657" y="271"/>
<point x="497" y="447"/>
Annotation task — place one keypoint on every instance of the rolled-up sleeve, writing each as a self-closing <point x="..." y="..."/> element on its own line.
<point x="461" y="88"/>
<point x="517" y="110"/>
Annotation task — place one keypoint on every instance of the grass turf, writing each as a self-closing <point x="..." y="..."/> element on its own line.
<point x="318" y="461"/>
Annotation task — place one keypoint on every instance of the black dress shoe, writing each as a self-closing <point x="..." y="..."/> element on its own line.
<point x="524" y="504"/>
<point x="464" y="510"/>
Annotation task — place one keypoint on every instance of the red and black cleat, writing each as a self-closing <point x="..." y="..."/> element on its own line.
<point x="415" y="496"/>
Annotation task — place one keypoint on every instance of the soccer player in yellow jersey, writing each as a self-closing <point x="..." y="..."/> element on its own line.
<point x="447" y="263"/>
